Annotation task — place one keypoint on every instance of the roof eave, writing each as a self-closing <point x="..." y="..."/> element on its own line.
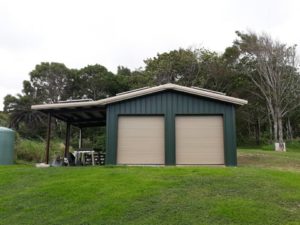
<point x="140" y="93"/>
<point x="64" y="105"/>
<point x="175" y="87"/>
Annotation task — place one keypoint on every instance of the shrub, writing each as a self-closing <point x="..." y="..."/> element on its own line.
<point x="34" y="150"/>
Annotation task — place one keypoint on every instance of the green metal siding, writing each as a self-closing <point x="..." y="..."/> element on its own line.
<point x="170" y="104"/>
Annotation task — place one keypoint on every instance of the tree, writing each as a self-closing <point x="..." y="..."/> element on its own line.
<point x="272" y="67"/>
<point x="216" y="72"/>
<point x="96" y="81"/>
<point x="4" y="119"/>
<point x="26" y="121"/>
<point x="10" y="103"/>
<point x="129" y="80"/>
<point x="49" y="81"/>
<point x="197" y="67"/>
<point x="178" y="66"/>
<point x="123" y="71"/>
<point x="73" y="88"/>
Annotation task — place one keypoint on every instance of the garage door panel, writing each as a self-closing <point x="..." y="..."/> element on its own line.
<point x="189" y="121"/>
<point x="205" y="131"/>
<point x="141" y="140"/>
<point x="127" y="141"/>
<point x="203" y="151"/>
<point x="190" y="158"/>
<point x="196" y="154"/>
<point x="134" y="154"/>
<point x="194" y="135"/>
<point x="149" y="133"/>
<point x="199" y="140"/>
<point x="145" y="141"/>
<point x="146" y="145"/>
<point x="135" y="122"/>
<point x="195" y="146"/>
<point x="126" y="126"/>
<point x="133" y="157"/>
<point x="192" y="125"/>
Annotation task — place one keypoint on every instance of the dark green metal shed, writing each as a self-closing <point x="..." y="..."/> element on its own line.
<point x="170" y="104"/>
<point x="167" y="124"/>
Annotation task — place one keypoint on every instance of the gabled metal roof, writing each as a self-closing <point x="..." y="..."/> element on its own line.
<point x="141" y="92"/>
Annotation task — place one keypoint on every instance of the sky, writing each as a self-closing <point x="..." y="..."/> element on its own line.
<point x="125" y="32"/>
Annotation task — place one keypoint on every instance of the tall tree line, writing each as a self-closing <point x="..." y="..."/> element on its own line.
<point x="255" y="67"/>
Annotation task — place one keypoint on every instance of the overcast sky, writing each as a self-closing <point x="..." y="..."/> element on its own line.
<point x="126" y="32"/>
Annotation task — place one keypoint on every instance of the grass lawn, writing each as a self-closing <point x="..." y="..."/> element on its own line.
<point x="264" y="189"/>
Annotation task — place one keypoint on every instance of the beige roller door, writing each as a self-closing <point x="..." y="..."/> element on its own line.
<point x="199" y="140"/>
<point x="141" y="140"/>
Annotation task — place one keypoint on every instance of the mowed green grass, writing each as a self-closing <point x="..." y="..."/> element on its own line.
<point x="264" y="189"/>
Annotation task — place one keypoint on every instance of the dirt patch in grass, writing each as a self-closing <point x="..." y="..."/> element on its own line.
<point x="269" y="159"/>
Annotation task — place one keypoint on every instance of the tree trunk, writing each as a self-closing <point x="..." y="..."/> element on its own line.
<point x="249" y="129"/>
<point x="280" y="130"/>
<point x="257" y="132"/>
<point x="289" y="130"/>
<point x="280" y="134"/>
<point x="275" y="130"/>
<point x="278" y="114"/>
<point x="270" y="127"/>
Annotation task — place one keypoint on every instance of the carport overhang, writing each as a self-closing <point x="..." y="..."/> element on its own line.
<point x="79" y="115"/>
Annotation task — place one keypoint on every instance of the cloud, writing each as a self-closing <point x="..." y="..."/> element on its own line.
<point x="117" y="32"/>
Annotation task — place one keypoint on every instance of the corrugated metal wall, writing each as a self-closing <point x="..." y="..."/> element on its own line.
<point x="170" y="104"/>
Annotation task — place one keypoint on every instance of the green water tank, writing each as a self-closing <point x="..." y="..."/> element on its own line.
<point x="7" y="142"/>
